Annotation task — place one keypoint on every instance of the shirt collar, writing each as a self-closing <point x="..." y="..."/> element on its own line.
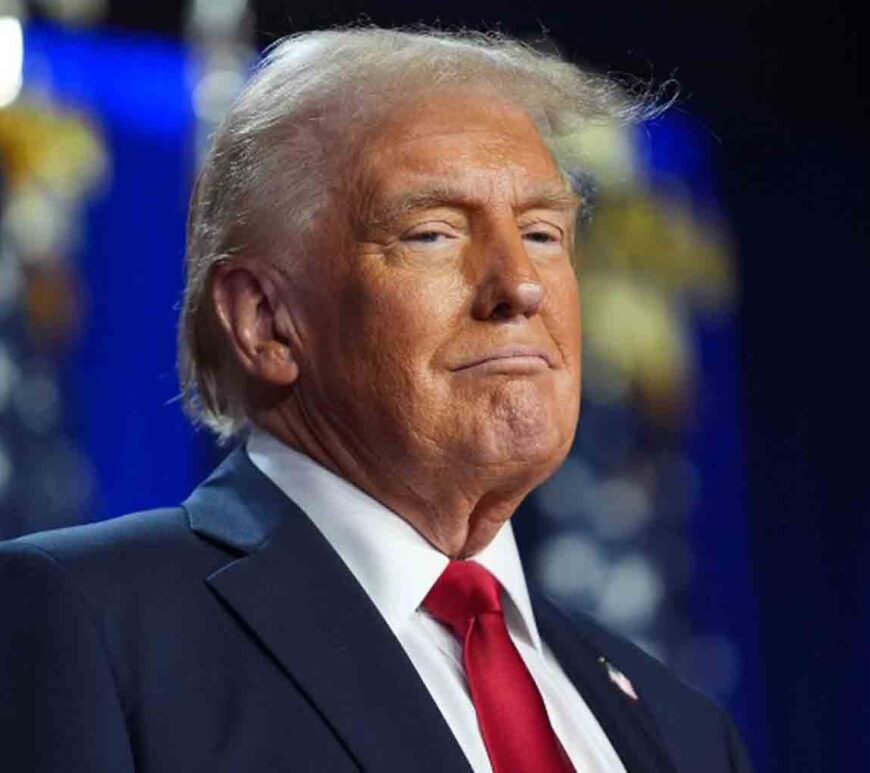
<point x="395" y="565"/>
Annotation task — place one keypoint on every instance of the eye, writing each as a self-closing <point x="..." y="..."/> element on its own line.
<point x="432" y="235"/>
<point x="542" y="237"/>
<point x="426" y="237"/>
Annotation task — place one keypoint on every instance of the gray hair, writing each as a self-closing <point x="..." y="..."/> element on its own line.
<point x="276" y="155"/>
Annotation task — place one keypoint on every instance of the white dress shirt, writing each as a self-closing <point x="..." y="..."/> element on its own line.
<point x="397" y="567"/>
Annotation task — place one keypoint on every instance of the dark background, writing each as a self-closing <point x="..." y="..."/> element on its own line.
<point x="776" y="86"/>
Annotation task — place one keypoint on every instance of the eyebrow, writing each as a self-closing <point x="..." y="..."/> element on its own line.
<point x="438" y="195"/>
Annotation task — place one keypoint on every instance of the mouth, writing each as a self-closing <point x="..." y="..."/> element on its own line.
<point x="508" y="359"/>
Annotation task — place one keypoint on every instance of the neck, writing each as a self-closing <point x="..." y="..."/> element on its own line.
<point x="458" y="511"/>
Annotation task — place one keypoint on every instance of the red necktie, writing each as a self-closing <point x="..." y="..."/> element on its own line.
<point x="510" y="712"/>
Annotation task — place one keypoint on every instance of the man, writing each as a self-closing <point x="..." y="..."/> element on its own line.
<point x="381" y="308"/>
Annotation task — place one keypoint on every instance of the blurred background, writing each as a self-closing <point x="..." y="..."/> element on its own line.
<point x="716" y="506"/>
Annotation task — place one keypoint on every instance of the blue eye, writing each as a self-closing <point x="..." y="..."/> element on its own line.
<point x="428" y="237"/>
<point x="432" y="238"/>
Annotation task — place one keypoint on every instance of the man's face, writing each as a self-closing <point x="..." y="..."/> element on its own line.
<point x="441" y="326"/>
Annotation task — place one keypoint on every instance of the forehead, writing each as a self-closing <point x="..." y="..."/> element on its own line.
<point x="484" y="146"/>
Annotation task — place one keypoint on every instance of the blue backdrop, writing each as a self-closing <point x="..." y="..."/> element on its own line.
<point x="121" y="375"/>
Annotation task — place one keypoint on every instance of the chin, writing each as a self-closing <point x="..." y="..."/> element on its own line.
<point x="531" y="427"/>
<point x="532" y="441"/>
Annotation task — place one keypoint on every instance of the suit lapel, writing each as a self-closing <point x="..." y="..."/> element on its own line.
<point x="305" y="607"/>
<point x="628" y="724"/>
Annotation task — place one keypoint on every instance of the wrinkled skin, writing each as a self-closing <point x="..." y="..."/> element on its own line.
<point x="429" y="351"/>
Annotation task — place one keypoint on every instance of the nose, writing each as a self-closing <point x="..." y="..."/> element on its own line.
<point x="509" y="286"/>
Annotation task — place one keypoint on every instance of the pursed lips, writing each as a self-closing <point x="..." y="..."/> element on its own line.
<point x="509" y="358"/>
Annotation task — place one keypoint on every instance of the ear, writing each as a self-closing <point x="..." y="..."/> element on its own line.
<point x="257" y="325"/>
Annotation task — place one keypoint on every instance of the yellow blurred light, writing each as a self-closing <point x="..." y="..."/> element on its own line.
<point x="11" y="59"/>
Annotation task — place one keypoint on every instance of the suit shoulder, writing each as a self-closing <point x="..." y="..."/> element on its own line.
<point x="120" y="554"/>
<point x="96" y="541"/>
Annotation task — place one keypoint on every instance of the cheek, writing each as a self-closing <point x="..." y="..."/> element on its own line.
<point x="394" y="332"/>
<point x="564" y="325"/>
<point x="395" y="321"/>
<point x="564" y="316"/>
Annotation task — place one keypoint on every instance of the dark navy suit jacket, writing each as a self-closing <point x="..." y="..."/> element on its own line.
<point x="227" y="635"/>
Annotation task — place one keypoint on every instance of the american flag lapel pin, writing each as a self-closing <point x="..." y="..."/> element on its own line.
<point x="618" y="678"/>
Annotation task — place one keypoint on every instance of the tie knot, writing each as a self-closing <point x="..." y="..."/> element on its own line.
<point x="462" y="592"/>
